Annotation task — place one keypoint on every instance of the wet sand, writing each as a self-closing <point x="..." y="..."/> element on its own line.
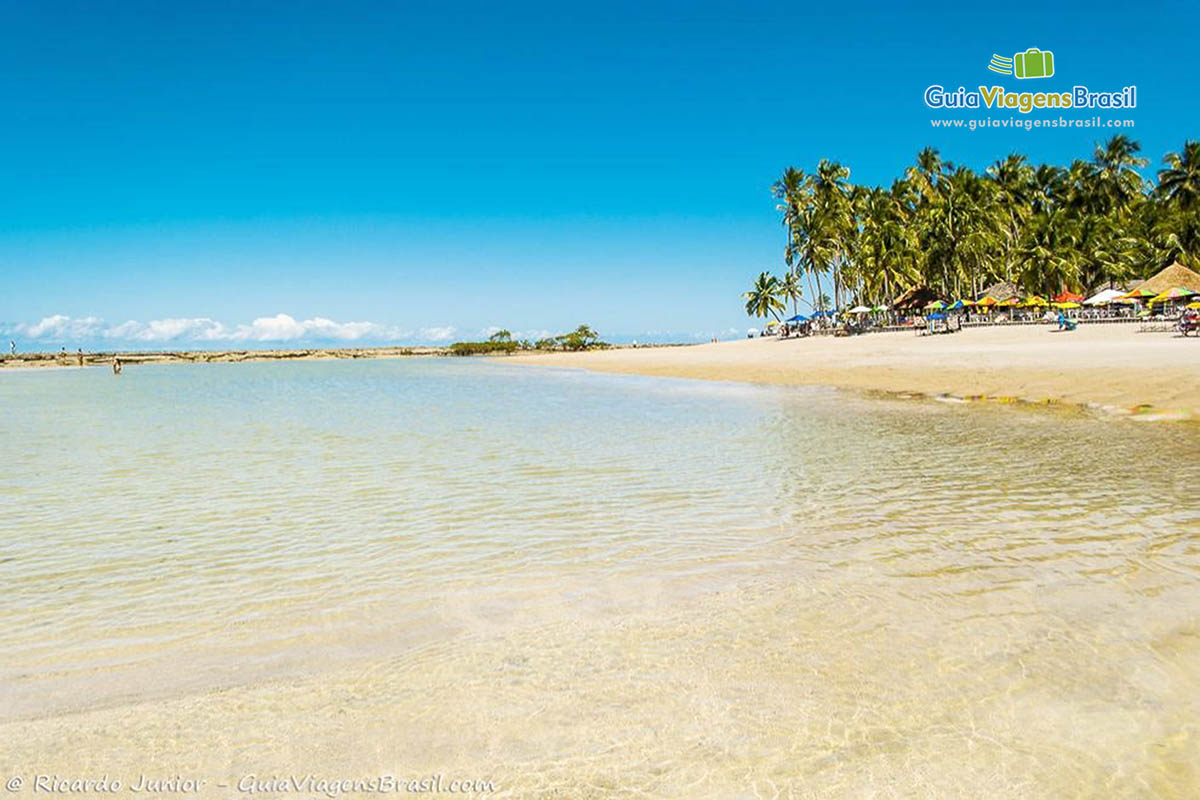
<point x="1112" y="366"/>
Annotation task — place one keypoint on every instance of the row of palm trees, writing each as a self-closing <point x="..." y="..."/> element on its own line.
<point x="1047" y="228"/>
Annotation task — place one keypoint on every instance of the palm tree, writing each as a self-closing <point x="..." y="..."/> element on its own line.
<point x="790" y="289"/>
<point x="834" y="220"/>
<point x="1048" y="227"/>
<point x="1179" y="183"/>
<point x="763" y="299"/>
<point x="886" y="245"/>
<point x="789" y="190"/>
<point x="1174" y="224"/>
<point x="1117" y="163"/>
<point x="1013" y="179"/>
<point x="1046" y="260"/>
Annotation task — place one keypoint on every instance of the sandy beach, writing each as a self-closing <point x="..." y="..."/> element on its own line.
<point x="1113" y="366"/>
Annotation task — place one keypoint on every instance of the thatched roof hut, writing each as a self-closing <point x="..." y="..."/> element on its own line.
<point x="1004" y="290"/>
<point x="916" y="297"/>
<point x="1175" y="275"/>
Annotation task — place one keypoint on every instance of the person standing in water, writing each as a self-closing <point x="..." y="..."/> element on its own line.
<point x="79" y="356"/>
<point x="116" y="364"/>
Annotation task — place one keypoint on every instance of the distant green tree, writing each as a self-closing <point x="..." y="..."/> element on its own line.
<point x="582" y="338"/>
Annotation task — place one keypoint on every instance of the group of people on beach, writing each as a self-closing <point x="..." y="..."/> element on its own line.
<point x="79" y="359"/>
<point x="62" y="355"/>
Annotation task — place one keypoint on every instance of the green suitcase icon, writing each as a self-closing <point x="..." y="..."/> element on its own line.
<point x="1033" y="63"/>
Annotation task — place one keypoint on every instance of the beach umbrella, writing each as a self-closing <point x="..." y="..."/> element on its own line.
<point x="986" y="301"/>
<point x="797" y="318"/>
<point x="1066" y="305"/>
<point x="1137" y="294"/>
<point x="1195" y="305"/>
<point x="956" y="305"/>
<point x="860" y="310"/>
<point x="1034" y="300"/>
<point x="1178" y="293"/>
<point x="936" y="305"/>
<point x="1102" y="298"/>
<point x="1009" y="303"/>
<point x="1068" y="297"/>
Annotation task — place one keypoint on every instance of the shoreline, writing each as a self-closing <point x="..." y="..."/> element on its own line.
<point x="43" y="360"/>
<point x="1111" y="368"/>
<point x="1114" y="369"/>
<point x="102" y="358"/>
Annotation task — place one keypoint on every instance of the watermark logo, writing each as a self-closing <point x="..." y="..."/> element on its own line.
<point x="1033" y="63"/>
<point x="1001" y="64"/>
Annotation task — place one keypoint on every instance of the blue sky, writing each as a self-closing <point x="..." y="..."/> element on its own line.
<point x="432" y="170"/>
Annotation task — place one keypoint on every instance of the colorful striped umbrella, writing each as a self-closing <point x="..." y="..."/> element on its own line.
<point x="1178" y="293"/>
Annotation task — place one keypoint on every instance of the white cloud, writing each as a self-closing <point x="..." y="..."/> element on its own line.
<point x="199" y="329"/>
<point x="282" y="328"/>
<point x="60" y="326"/>
<point x="442" y="334"/>
<point x="279" y="328"/>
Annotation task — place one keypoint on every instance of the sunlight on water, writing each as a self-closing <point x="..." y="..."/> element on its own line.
<point x="594" y="584"/>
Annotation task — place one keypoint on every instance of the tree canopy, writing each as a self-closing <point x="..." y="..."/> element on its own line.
<point x="1093" y="223"/>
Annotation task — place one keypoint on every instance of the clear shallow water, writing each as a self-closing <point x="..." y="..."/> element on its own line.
<point x="601" y="583"/>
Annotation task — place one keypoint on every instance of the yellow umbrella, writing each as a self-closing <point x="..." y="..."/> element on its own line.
<point x="986" y="301"/>
<point x="1195" y="305"/>
<point x="1034" y="300"/>
<point x="1066" y="305"/>
<point x="1010" y="302"/>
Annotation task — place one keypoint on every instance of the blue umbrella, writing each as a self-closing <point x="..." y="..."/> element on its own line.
<point x="797" y="318"/>
<point x="956" y="305"/>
